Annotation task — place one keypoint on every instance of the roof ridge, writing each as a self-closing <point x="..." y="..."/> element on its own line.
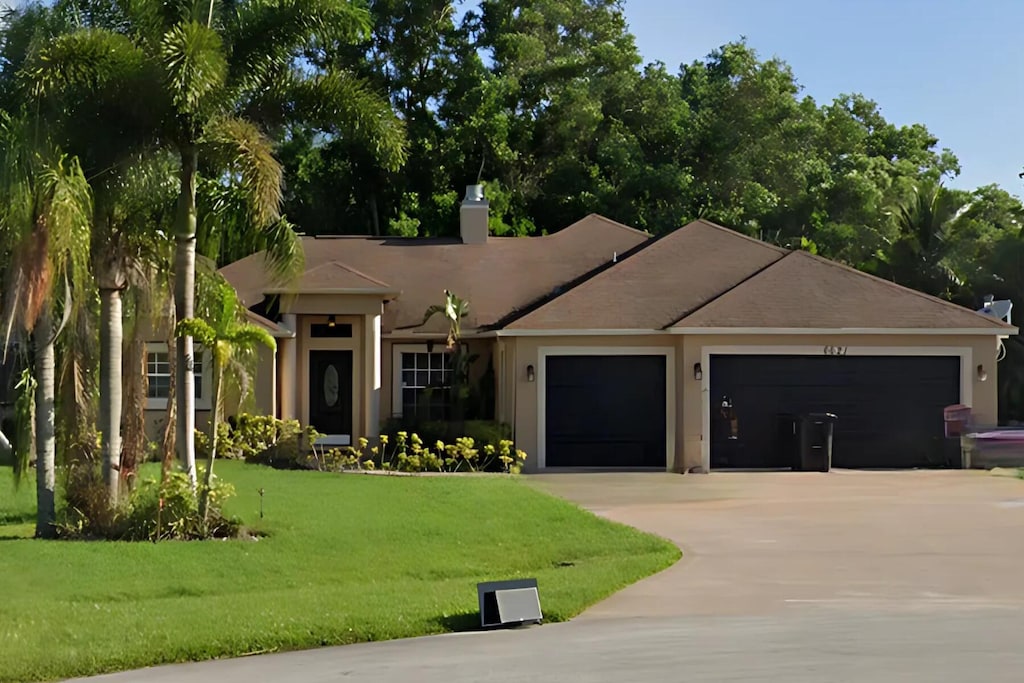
<point x="605" y="219"/>
<point x="687" y="314"/>
<point x="737" y="233"/>
<point x="575" y="283"/>
<point x="902" y="288"/>
<point x="358" y="273"/>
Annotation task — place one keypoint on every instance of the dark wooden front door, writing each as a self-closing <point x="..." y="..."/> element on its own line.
<point x="330" y="391"/>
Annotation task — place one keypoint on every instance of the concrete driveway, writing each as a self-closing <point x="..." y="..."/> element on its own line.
<point x="762" y="543"/>
<point x="799" y="577"/>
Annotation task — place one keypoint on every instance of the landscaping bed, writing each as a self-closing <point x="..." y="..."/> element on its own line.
<point x="342" y="559"/>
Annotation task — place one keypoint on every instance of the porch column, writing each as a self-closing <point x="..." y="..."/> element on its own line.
<point x="287" y="378"/>
<point x="371" y="344"/>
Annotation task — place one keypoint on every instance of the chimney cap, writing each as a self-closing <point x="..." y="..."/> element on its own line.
<point x="475" y="193"/>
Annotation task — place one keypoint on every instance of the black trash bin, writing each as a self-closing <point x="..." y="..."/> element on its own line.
<point x="816" y="435"/>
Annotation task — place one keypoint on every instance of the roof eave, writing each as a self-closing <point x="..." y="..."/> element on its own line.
<point x="386" y="293"/>
<point x="932" y="331"/>
<point x="576" y="332"/>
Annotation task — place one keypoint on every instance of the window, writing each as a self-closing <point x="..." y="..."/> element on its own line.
<point x="424" y="382"/>
<point x="330" y="331"/>
<point x="158" y="375"/>
<point x="158" y="372"/>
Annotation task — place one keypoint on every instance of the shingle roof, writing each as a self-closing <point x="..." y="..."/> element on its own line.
<point x="275" y="330"/>
<point x="334" y="277"/>
<point x="806" y="291"/>
<point x="499" y="277"/>
<point x="658" y="284"/>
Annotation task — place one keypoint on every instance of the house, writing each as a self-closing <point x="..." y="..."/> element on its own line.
<point x="605" y="347"/>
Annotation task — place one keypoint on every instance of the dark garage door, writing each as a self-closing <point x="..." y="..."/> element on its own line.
<point x="889" y="408"/>
<point x="605" y="411"/>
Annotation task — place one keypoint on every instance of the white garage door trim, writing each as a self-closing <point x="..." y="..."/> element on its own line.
<point x="964" y="353"/>
<point x="668" y="352"/>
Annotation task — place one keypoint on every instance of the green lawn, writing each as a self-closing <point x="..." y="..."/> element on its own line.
<point x="346" y="558"/>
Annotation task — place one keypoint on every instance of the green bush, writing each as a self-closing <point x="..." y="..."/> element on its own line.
<point x="483" y="432"/>
<point x="260" y="439"/>
<point x="409" y="453"/>
<point x="153" y="511"/>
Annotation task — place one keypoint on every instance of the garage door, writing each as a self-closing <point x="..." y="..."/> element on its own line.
<point x="889" y="408"/>
<point x="605" y="411"/>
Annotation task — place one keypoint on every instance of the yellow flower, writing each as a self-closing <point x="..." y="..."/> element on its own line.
<point x="363" y="442"/>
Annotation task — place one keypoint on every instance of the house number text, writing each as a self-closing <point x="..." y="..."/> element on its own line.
<point x="835" y="350"/>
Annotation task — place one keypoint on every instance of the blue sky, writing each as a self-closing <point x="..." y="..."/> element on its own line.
<point x="953" y="65"/>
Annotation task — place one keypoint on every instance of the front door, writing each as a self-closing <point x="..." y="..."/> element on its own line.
<point x="330" y="391"/>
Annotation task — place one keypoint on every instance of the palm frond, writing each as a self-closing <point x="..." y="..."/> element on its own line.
<point x="343" y="105"/>
<point x="267" y="35"/>
<point x="239" y="148"/>
<point x="195" y="66"/>
<point x="248" y="336"/>
<point x="88" y="60"/>
<point x="198" y="329"/>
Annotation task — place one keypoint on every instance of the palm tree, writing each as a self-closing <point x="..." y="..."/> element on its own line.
<point x="454" y="309"/>
<point x="921" y="256"/>
<point x="45" y="207"/>
<point x="233" y="345"/>
<point x="201" y="79"/>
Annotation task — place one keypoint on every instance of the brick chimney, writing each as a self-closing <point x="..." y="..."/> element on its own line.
<point x="473" y="216"/>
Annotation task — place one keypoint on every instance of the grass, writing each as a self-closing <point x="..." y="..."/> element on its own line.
<point x="346" y="558"/>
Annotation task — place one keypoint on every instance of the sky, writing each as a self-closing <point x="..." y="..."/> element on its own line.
<point x="954" y="65"/>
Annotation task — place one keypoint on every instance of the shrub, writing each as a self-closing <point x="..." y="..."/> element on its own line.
<point x="483" y="432"/>
<point x="154" y="511"/>
<point x="408" y="453"/>
<point x="260" y="439"/>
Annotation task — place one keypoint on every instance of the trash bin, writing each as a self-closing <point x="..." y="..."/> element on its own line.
<point x="816" y="432"/>
<point x="956" y="418"/>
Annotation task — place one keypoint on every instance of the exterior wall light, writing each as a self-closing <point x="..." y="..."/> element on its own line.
<point x="531" y="374"/>
<point x="982" y="375"/>
<point x="698" y="372"/>
<point x="331" y="321"/>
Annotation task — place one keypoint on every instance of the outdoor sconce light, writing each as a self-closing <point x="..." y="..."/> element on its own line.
<point x="982" y="375"/>
<point x="698" y="372"/>
<point x="531" y="375"/>
<point x="330" y="321"/>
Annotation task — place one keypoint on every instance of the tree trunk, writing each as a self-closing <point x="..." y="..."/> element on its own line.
<point x="169" y="443"/>
<point x="111" y="340"/>
<point x="374" y="217"/>
<point x="46" y="443"/>
<point x="215" y="417"/>
<point x="184" y="304"/>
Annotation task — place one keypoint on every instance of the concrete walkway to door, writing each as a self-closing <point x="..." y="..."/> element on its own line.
<point x="761" y="543"/>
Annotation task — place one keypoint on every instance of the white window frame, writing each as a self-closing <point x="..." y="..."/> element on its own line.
<point x="397" y="407"/>
<point x="203" y="399"/>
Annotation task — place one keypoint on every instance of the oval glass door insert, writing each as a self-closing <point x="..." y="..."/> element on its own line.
<point x="331" y="386"/>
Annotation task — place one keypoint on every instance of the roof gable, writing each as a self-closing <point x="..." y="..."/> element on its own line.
<point x="659" y="283"/>
<point x="334" y="277"/>
<point x="803" y="291"/>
